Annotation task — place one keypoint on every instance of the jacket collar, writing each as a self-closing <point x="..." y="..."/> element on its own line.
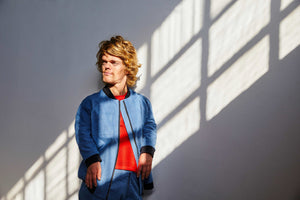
<point x="108" y="93"/>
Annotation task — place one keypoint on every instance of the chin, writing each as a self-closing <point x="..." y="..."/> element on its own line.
<point x="107" y="82"/>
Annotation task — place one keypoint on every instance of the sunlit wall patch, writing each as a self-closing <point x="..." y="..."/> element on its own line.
<point x="285" y="3"/>
<point x="216" y="6"/>
<point x="56" y="174"/>
<point x="234" y="29"/>
<point x="16" y="191"/>
<point x="187" y="123"/>
<point x="56" y="145"/>
<point x="73" y="160"/>
<point x="35" y="188"/>
<point x="289" y="36"/>
<point x="175" y="32"/>
<point x="142" y="54"/>
<point x="177" y="83"/>
<point x="238" y="78"/>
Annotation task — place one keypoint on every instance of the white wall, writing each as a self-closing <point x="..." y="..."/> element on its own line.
<point x="221" y="75"/>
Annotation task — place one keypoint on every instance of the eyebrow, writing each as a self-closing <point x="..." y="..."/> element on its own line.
<point x="109" y="60"/>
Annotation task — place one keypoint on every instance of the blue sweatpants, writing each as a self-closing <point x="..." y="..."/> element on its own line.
<point x="125" y="186"/>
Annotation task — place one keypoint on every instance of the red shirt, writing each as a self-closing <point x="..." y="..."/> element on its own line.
<point x="126" y="159"/>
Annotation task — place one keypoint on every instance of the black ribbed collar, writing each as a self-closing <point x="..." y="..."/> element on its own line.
<point x="107" y="91"/>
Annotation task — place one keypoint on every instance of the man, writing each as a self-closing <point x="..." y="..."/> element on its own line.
<point x="115" y="129"/>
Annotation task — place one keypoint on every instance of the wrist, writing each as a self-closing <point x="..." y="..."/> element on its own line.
<point x="148" y="149"/>
<point x="92" y="159"/>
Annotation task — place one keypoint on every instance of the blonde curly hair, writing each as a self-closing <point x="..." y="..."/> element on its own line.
<point x="119" y="47"/>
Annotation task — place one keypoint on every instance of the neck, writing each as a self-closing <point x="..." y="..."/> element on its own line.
<point x="118" y="90"/>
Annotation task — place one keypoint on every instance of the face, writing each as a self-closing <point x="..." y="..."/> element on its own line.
<point x="113" y="70"/>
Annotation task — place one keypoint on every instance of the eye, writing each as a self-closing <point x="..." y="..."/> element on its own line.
<point x="115" y="63"/>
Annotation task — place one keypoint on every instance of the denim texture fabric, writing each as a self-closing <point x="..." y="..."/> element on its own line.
<point x="97" y="131"/>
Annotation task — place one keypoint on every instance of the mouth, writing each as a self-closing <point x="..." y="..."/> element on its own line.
<point x="106" y="74"/>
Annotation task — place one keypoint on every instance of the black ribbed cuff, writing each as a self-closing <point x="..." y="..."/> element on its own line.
<point x="148" y="149"/>
<point x="92" y="159"/>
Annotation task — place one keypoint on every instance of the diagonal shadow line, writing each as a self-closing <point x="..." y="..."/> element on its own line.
<point x="181" y="106"/>
<point x="177" y="56"/>
<point x="223" y="11"/>
<point x="154" y="168"/>
<point x="263" y="32"/>
<point x="289" y="9"/>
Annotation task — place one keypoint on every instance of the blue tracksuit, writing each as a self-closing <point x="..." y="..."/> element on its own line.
<point x="97" y="133"/>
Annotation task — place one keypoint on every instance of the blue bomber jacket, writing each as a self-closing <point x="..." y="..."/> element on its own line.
<point x="97" y="133"/>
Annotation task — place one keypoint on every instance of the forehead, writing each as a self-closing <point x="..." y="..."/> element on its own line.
<point x="108" y="57"/>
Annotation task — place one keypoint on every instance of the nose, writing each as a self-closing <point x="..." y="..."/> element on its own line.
<point x="106" y="66"/>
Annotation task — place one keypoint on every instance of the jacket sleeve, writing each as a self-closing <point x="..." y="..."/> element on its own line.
<point x="86" y="144"/>
<point x="149" y="130"/>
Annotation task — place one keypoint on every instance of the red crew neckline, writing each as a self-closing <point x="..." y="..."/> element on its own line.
<point x="121" y="97"/>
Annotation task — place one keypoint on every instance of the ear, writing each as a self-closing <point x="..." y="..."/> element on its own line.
<point x="126" y="71"/>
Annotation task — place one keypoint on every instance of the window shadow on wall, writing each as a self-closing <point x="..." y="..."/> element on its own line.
<point x="248" y="151"/>
<point x="246" y="147"/>
<point x="225" y="98"/>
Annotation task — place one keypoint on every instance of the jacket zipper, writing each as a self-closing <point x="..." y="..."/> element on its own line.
<point x="132" y="134"/>
<point x="131" y="129"/>
<point x="112" y="176"/>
